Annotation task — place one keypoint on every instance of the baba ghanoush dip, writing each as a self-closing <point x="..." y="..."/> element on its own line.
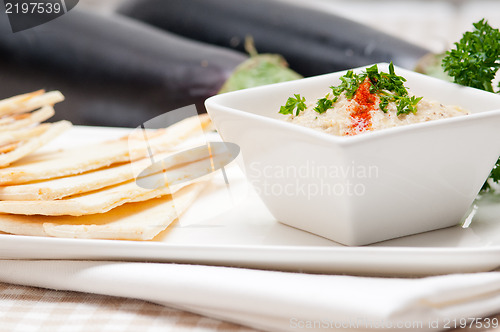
<point x="366" y="102"/>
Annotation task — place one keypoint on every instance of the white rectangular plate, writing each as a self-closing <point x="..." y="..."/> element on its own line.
<point x="229" y="225"/>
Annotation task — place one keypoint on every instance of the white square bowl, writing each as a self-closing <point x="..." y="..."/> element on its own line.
<point x="375" y="186"/>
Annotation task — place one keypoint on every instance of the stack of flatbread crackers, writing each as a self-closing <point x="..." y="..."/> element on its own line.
<point x="92" y="191"/>
<point x="21" y="128"/>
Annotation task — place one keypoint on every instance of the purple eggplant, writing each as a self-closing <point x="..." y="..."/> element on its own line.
<point x="113" y="70"/>
<point x="312" y="42"/>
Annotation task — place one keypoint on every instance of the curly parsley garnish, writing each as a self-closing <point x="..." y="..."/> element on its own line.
<point x="474" y="62"/>
<point x="296" y="103"/>
<point x="494" y="176"/>
<point x="323" y="105"/>
<point x="476" y="58"/>
<point x="388" y="86"/>
<point x="350" y="83"/>
<point x="391" y="88"/>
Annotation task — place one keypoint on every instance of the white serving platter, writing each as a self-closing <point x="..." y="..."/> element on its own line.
<point x="229" y="226"/>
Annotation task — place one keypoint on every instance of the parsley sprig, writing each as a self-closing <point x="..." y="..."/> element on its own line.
<point x="494" y="176"/>
<point x="474" y="62"/>
<point x="476" y="58"/>
<point x="296" y="103"/>
<point x="349" y="84"/>
<point x="389" y="86"/>
<point x="324" y="104"/>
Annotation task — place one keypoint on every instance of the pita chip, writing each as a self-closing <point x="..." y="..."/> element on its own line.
<point x="105" y="199"/>
<point x="58" y="188"/>
<point x="29" y="102"/>
<point x="16" y="121"/>
<point x="25" y="147"/>
<point x="60" y="163"/>
<point x="133" y="221"/>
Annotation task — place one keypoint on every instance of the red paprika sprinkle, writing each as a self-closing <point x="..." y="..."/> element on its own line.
<point x="362" y="103"/>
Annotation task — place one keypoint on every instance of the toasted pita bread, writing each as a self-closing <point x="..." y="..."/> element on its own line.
<point x="105" y="199"/>
<point x="9" y="119"/>
<point x="77" y="184"/>
<point x="9" y="147"/>
<point x="58" y="188"/>
<point x="132" y="221"/>
<point x="25" y="147"/>
<point x="99" y="201"/>
<point x="10" y="103"/>
<point x="50" y="165"/>
<point x="29" y="102"/>
<point x="16" y="121"/>
<point x="12" y="136"/>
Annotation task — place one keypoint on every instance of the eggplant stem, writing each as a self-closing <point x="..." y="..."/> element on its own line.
<point x="250" y="46"/>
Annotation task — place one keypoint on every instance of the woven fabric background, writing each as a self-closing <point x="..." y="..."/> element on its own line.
<point x="31" y="309"/>
<point x="27" y="309"/>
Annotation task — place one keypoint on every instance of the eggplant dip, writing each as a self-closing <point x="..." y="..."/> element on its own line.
<point x="366" y="102"/>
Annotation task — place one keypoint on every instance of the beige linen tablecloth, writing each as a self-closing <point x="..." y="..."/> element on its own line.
<point x="274" y="301"/>
<point x="25" y="308"/>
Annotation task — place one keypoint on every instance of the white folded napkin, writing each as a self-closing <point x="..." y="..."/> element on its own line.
<point x="276" y="301"/>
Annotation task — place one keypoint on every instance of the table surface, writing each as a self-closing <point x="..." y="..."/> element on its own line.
<point x="28" y="309"/>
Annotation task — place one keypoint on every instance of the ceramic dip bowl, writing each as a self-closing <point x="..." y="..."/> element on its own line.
<point x="370" y="187"/>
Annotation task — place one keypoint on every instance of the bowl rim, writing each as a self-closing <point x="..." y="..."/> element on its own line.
<point x="215" y="102"/>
